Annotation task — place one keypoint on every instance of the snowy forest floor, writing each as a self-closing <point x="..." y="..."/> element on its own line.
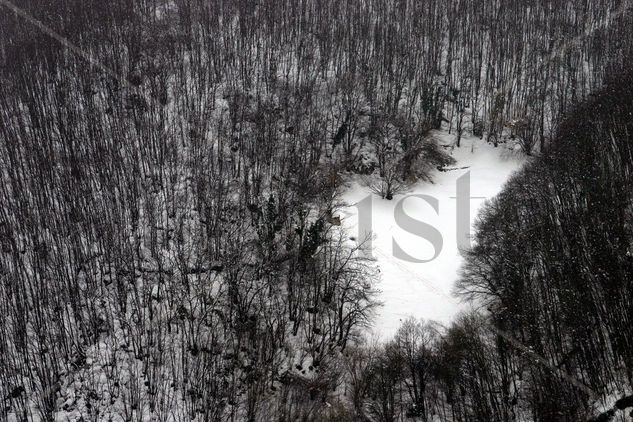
<point x="424" y="290"/>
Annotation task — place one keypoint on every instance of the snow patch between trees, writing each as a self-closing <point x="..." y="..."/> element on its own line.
<point x="423" y="290"/>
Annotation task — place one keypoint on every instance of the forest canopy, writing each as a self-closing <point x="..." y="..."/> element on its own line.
<point x="170" y="174"/>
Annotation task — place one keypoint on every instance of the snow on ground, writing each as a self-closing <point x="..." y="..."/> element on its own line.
<point x="423" y="290"/>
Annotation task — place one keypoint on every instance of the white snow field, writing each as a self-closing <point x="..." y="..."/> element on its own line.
<point x="423" y="290"/>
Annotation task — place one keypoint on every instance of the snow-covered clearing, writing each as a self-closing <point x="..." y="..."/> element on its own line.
<point x="423" y="290"/>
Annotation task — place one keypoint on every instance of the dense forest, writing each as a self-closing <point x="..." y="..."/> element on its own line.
<point x="550" y="272"/>
<point x="553" y="262"/>
<point x="170" y="177"/>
